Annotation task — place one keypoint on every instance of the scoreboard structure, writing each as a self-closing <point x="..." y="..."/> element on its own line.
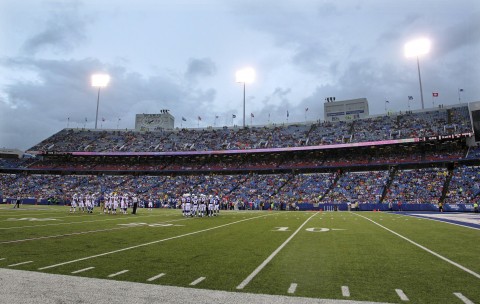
<point x="345" y="110"/>
<point x="154" y="122"/>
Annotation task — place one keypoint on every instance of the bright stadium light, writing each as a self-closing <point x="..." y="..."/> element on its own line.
<point x="416" y="48"/>
<point x="246" y="75"/>
<point x="99" y="81"/>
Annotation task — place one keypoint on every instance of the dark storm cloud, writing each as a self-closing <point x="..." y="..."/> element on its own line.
<point x="63" y="30"/>
<point x="200" y="68"/>
<point x="62" y="94"/>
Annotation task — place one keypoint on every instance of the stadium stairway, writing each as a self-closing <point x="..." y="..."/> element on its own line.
<point x="446" y="185"/>
<point x="393" y="172"/>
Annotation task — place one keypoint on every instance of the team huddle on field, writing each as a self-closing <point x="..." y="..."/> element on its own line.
<point x="192" y="206"/>
<point x="200" y="206"/>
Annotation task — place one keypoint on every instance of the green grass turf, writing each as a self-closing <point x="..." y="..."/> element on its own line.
<point x="370" y="260"/>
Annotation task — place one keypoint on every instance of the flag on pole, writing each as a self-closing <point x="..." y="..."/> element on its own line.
<point x="234" y="116"/>
<point x="460" y="90"/>
<point x="288" y="114"/>
<point x="199" y="118"/>
<point x="103" y="118"/>
<point x="85" y="119"/>
<point x="386" y="101"/>
<point x="251" y="115"/>
<point x="435" y="94"/>
<point x="410" y="97"/>
<point x="306" y="109"/>
<point x="216" y="116"/>
<point x="184" y="119"/>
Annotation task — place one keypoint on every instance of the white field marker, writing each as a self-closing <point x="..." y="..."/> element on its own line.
<point x="264" y="263"/>
<point x="82" y="270"/>
<point x="345" y="291"/>
<point x="463" y="298"/>
<point x="118" y="273"/>
<point x="197" y="281"/>
<point x="155" y="277"/>
<point x="1" y="259"/>
<point x="292" y="288"/>
<point x="18" y="264"/>
<point x="401" y="295"/>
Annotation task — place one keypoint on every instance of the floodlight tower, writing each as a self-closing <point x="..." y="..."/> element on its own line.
<point x="246" y="75"/>
<point x="99" y="81"/>
<point x="415" y="48"/>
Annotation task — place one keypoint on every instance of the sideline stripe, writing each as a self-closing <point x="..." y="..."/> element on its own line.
<point x="292" y="288"/>
<point x="117" y="273"/>
<point x="401" y="295"/>
<point x="82" y="270"/>
<point x="345" y="291"/>
<point x="456" y="223"/>
<point x="155" y="277"/>
<point x="18" y="264"/>
<point x="264" y="263"/>
<point x="149" y="243"/>
<point x="463" y="298"/>
<point x="197" y="281"/>
<point x="425" y="248"/>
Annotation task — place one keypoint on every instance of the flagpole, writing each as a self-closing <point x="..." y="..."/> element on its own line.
<point x="68" y="122"/>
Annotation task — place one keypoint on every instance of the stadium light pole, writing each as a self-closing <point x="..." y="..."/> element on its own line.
<point x="246" y="75"/>
<point x="415" y="48"/>
<point x="99" y="81"/>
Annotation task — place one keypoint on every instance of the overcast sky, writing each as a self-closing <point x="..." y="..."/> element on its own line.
<point x="183" y="55"/>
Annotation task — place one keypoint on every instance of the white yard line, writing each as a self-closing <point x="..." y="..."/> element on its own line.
<point x="463" y="298"/>
<point x="197" y="281"/>
<point x="424" y="248"/>
<point x="82" y="270"/>
<point x="292" y="288"/>
<point x="264" y="263"/>
<point x="117" y="273"/>
<point x="345" y="291"/>
<point x="147" y="244"/>
<point x="155" y="277"/>
<point x="401" y="295"/>
<point x="18" y="264"/>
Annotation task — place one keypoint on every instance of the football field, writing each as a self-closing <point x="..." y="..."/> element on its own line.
<point x="361" y="256"/>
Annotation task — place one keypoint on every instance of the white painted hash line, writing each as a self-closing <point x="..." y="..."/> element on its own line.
<point x="82" y="270"/>
<point x="117" y="273"/>
<point x="264" y="263"/>
<point x="345" y="291"/>
<point x="463" y="298"/>
<point x="149" y="243"/>
<point x="292" y="288"/>
<point x="18" y="264"/>
<point x="401" y="295"/>
<point x="197" y="281"/>
<point x="155" y="277"/>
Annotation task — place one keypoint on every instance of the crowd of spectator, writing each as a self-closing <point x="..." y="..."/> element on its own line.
<point x="254" y="190"/>
<point x="437" y="122"/>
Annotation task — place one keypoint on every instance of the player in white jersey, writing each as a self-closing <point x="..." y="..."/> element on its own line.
<point x="216" y="206"/>
<point x="81" y="203"/>
<point x="188" y="206"/>
<point x="115" y="203"/>
<point x="122" y="204"/>
<point x="88" y="203"/>
<point x="202" y="206"/>
<point x="194" y="206"/>
<point x="74" y="202"/>
<point x="210" y="206"/>
<point x="150" y="204"/>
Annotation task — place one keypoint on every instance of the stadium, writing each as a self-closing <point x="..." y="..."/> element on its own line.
<point x="239" y="151"/>
<point x="341" y="210"/>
